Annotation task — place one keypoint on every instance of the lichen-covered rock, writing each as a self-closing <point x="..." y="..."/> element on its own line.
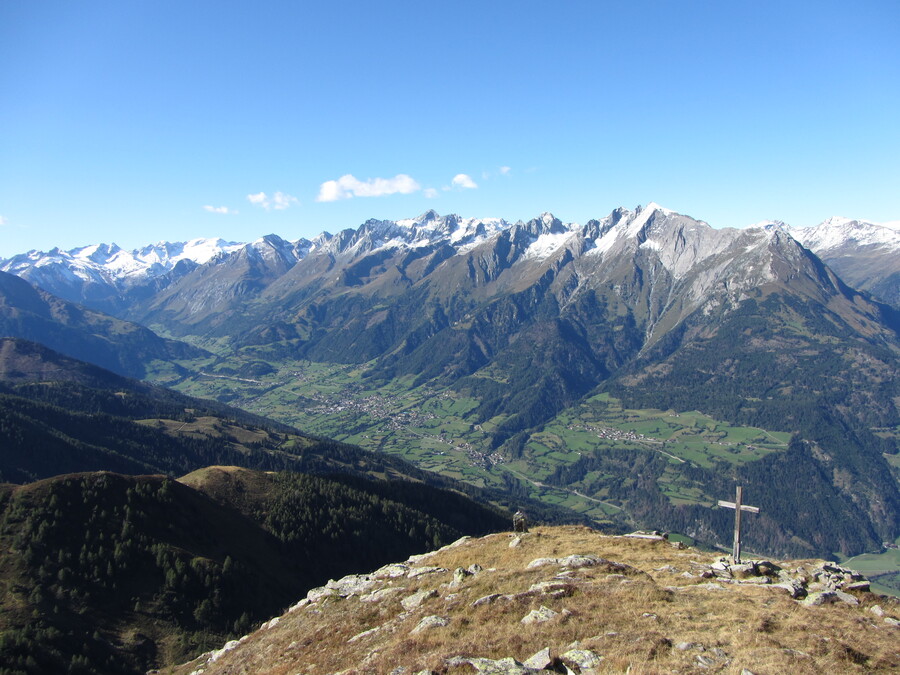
<point x="391" y="571"/>
<point x="793" y="587"/>
<point x="430" y="622"/>
<point x="814" y="582"/>
<point x="571" y="562"/>
<point x="422" y="571"/>
<point x="743" y="570"/>
<point x="860" y="586"/>
<point x="316" y="594"/>
<point x="539" y="661"/>
<point x="365" y="634"/>
<point x="353" y="584"/>
<point x="767" y="567"/>
<point x="759" y="581"/>
<point x="505" y="666"/>
<point x="583" y="658"/>
<point x="827" y="597"/>
<point x="416" y="599"/>
<point x="300" y="605"/>
<point x="381" y="594"/>
<point x="459" y="575"/>
<point x="539" y="615"/>
<point x="551" y="587"/>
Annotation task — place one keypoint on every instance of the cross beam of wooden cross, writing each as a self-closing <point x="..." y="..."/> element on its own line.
<point x="738" y="507"/>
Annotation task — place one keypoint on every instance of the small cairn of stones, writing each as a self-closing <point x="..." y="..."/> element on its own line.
<point x="814" y="584"/>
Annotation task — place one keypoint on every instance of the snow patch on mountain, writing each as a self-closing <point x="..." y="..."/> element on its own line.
<point x="643" y="215"/>
<point x="547" y="244"/>
<point x="605" y="242"/>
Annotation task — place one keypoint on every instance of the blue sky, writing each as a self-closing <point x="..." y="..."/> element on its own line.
<point x="134" y="122"/>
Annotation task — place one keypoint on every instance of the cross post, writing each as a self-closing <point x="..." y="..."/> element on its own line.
<point x="738" y="507"/>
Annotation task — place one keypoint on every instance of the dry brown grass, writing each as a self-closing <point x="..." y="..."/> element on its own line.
<point x="628" y="616"/>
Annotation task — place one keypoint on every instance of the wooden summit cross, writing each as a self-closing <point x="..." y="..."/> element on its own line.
<point x="738" y="507"/>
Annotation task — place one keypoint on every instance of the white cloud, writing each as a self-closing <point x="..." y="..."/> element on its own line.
<point x="348" y="186"/>
<point x="430" y="193"/>
<point x="278" y="201"/>
<point x="224" y="210"/>
<point x="3" y="221"/>
<point x="331" y="191"/>
<point x="505" y="170"/>
<point x="464" y="181"/>
<point x="281" y="201"/>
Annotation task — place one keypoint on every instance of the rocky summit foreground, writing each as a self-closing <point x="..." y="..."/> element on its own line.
<point x="569" y="599"/>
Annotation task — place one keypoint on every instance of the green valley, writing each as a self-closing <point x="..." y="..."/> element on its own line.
<point x="435" y="429"/>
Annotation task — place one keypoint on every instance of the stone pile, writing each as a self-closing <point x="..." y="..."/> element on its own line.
<point x="572" y="662"/>
<point x="813" y="584"/>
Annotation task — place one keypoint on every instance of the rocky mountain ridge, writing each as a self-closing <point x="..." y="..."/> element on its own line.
<point x="866" y="255"/>
<point x="98" y="273"/>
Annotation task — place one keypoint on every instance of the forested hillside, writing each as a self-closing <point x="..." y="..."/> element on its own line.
<point x="118" y="574"/>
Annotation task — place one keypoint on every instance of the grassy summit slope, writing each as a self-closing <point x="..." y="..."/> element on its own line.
<point x="642" y="608"/>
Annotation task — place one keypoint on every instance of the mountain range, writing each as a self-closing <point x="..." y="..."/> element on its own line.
<point x="107" y="277"/>
<point x="517" y="325"/>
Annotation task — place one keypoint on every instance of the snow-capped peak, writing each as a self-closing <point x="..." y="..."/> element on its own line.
<point x="653" y="206"/>
<point x="109" y="261"/>
<point x="425" y="218"/>
<point x="642" y="216"/>
<point x="838" y="231"/>
<point x="768" y="225"/>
